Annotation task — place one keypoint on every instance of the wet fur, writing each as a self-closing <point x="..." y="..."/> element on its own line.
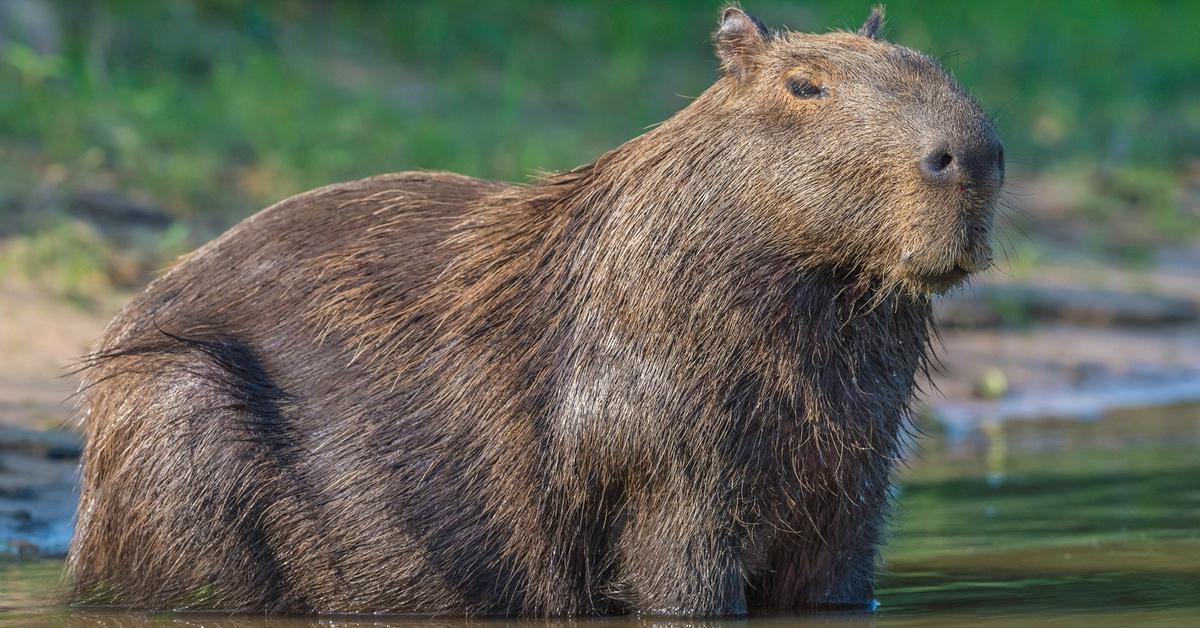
<point x="671" y="381"/>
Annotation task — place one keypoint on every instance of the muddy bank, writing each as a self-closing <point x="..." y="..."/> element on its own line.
<point x="1065" y="346"/>
<point x="1051" y="348"/>
<point x="40" y="336"/>
<point x="38" y="490"/>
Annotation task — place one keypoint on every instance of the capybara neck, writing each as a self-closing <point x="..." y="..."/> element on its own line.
<point x="655" y="261"/>
<point x="667" y="231"/>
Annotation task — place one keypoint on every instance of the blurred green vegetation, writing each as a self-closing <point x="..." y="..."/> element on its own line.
<point x="212" y="110"/>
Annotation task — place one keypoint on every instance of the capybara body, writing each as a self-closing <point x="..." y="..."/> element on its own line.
<point x="671" y="381"/>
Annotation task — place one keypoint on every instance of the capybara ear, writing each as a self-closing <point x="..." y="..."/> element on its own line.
<point x="874" y="24"/>
<point x="738" y="40"/>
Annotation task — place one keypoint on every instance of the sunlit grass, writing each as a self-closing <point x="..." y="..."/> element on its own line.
<point x="214" y="110"/>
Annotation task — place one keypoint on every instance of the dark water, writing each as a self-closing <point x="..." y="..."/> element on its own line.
<point x="1057" y="524"/>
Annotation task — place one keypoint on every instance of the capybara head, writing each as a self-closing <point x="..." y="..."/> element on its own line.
<point x="871" y="157"/>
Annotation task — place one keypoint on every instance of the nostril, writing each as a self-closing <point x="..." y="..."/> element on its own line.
<point x="1000" y="159"/>
<point x="937" y="162"/>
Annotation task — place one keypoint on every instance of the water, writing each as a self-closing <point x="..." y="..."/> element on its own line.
<point x="1050" y="523"/>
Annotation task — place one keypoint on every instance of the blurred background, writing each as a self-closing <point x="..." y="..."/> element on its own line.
<point x="131" y="132"/>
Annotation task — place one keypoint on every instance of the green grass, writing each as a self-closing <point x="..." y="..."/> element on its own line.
<point x="215" y="109"/>
<point x="67" y="258"/>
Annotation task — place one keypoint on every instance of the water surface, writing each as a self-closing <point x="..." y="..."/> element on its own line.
<point x="1048" y="523"/>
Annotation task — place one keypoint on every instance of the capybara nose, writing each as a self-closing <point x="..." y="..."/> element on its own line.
<point x="975" y="163"/>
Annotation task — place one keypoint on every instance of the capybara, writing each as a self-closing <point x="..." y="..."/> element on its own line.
<point x="671" y="381"/>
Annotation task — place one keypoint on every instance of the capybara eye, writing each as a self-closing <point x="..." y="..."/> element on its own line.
<point x="804" y="88"/>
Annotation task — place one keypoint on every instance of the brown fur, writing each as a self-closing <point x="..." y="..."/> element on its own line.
<point x="671" y="381"/>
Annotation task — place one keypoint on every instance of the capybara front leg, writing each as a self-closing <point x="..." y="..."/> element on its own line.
<point x="815" y="576"/>
<point x="679" y="561"/>
<point x="830" y="564"/>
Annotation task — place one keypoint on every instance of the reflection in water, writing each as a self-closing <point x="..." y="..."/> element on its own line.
<point x="1052" y="524"/>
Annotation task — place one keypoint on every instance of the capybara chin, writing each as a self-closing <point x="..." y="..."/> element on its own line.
<point x="671" y="381"/>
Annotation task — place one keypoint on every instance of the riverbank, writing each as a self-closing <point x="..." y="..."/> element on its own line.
<point x="1071" y="343"/>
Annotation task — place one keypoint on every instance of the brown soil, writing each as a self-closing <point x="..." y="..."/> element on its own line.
<point x="40" y="338"/>
<point x="1046" y="365"/>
